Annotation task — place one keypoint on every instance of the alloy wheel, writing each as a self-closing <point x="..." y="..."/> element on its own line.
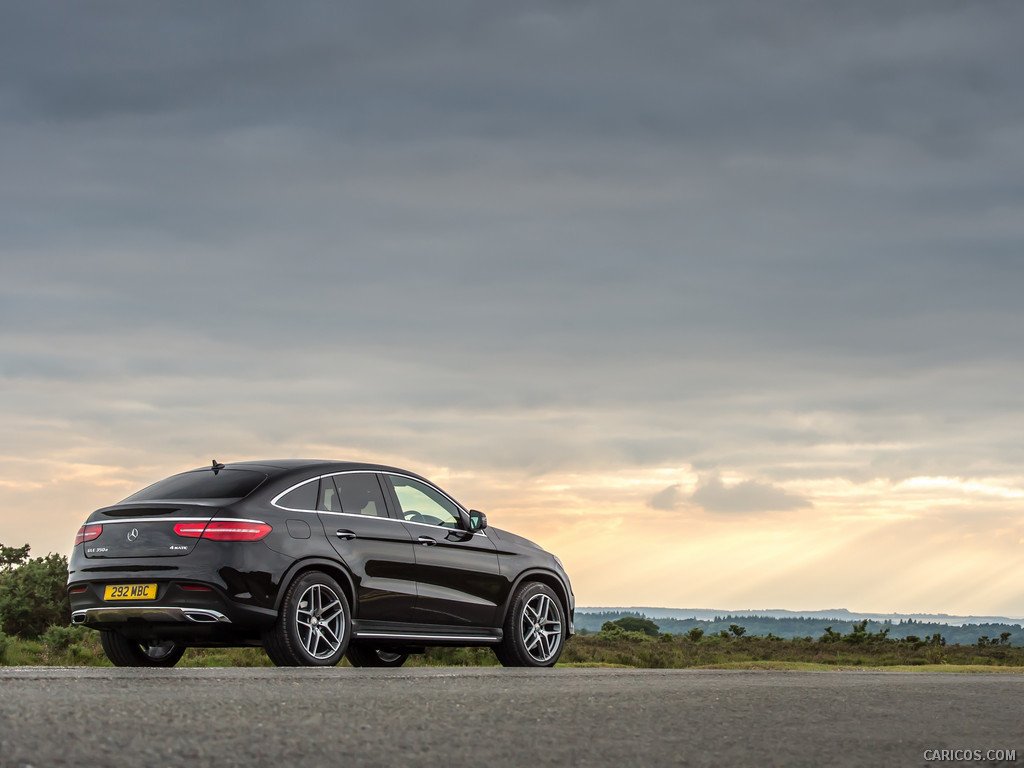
<point x="541" y="628"/>
<point x="320" y="617"/>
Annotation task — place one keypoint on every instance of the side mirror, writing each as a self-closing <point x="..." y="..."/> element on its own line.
<point x="477" y="521"/>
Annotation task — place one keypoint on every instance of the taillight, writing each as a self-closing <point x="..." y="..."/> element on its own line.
<point x="191" y="530"/>
<point x="224" y="530"/>
<point x="88" y="533"/>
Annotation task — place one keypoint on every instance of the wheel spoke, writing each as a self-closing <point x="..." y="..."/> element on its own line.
<point x="549" y="608"/>
<point x="332" y="640"/>
<point x="551" y="642"/>
<point x="532" y="639"/>
<point x="334" y="615"/>
<point x="318" y="599"/>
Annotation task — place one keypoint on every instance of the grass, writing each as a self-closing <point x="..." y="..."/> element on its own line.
<point x="77" y="646"/>
<point x="809" y="666"/>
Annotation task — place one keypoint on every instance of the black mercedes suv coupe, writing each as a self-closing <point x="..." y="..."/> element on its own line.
<point x="313" y="560"/>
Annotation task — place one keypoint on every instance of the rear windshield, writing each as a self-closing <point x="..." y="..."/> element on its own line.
<point x="203" y="484"/>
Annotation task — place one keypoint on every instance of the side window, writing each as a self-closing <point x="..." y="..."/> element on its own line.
<point x="360" y="494"/>
<point x="303" y="497"/>
<point x="422" y="504"/>
<point x="328" y="496"/>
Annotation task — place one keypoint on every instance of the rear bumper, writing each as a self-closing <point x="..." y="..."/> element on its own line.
<point x="95" y="617"/>
<point x="180" y="611"/>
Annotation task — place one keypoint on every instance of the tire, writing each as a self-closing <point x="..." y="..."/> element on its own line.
<point x="302" y="636"/>
<point x="534" y="631"/>
<point x="360" y="655"/>
<point x="123" y="652"/>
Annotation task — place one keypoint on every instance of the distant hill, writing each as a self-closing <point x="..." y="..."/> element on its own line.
<point x="960" y="630"/>
<point x="839" y="614"/>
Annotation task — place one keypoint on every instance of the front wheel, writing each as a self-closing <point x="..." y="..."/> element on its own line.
<point x="534" y="631"/>
<point x="123" y="652"/>
<point x="360" y="655"/>
<point x="313" y="627"/>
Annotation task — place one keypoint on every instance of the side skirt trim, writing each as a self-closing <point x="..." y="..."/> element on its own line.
<point x="426" y="638"/>
<point x="425" y="633"/>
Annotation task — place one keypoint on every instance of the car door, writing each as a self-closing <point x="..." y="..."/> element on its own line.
<point x="458" y="581"/>
<point x="376" y="547"/>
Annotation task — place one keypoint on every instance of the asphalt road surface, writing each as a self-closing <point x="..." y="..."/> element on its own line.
<point x="493" y="717"/>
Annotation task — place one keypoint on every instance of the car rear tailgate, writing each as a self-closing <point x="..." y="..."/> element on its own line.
<point x="150" y="530"/>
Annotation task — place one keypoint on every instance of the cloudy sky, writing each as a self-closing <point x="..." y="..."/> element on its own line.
<point x="719" y="301"/>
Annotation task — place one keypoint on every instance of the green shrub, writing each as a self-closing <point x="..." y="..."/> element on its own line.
<point x="637" y="624"/>
<point x="613" y="630"/>
<point x="32" y="592"/>
<point x="58" y="638"/>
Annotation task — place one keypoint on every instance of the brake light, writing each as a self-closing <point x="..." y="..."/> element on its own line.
<point x="88" y="533"/>
<point x="223" y="530"/>
<point x="190" y="530"/>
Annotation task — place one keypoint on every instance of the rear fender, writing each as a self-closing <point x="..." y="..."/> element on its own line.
<point x="332" y="568"/>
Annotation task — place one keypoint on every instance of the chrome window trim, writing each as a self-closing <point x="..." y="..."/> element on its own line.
<point x="388" y="519"/>
<point x="273" y="501"/>
<point x="436" y="527"/>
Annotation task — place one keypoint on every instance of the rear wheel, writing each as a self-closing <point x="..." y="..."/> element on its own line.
<point x="313" y="627"/>
<point x="124" y="652"/>
<point x="534" y="631"/>
<point x="360" y="655"/>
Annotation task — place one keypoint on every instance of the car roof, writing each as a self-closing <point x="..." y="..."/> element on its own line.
<point x="282" y="467"/>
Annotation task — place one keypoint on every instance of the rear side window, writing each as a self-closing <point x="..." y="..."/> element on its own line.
<point x="303" y="497"/>
<point x="203" y="484"/>
<point x="361" y="495"/>
<point x="328" y="496"/>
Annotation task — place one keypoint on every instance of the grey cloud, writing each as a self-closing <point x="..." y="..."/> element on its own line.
<point x="669" y="499"/>
<point x="712" y="495"/>
<point x="748" y="496"/>
<point x="572" y="235"/>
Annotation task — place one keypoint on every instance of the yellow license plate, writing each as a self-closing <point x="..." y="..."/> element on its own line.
<point x="129" y="592"/>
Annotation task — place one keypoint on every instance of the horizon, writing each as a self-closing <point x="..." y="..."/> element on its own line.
<point x="764" y="613"/>
<point x="720" y="304"/>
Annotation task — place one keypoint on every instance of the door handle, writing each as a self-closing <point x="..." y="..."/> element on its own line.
<point x="426" y="541"/>
<point x="346" y="535"/>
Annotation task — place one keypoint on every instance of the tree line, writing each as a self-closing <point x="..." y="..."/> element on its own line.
<point x="792" y="628"/>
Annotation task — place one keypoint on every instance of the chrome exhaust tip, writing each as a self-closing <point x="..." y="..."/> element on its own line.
<point x="202" y="617"/>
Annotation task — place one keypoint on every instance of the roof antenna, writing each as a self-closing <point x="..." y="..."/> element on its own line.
<point x="217" y="466"/>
